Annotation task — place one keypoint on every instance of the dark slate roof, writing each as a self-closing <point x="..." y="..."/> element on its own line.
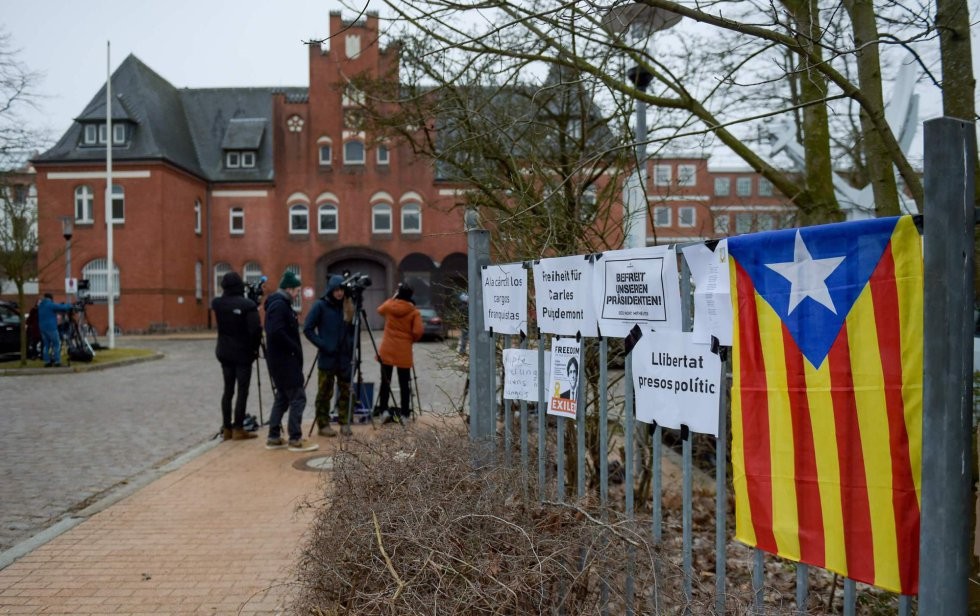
<point x="186" y="127"/>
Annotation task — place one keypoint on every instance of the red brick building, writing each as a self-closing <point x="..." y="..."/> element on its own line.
<point x="255" y="180"/>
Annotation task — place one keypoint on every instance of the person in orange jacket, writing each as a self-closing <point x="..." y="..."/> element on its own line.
<point x="403" y="326"/>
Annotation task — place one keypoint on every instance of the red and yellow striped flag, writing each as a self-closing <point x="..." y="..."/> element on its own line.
<point x="827" y="397"/>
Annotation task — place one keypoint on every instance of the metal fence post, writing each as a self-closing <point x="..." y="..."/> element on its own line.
<point x="481" y="346"/>
<point x="948" y="299"/>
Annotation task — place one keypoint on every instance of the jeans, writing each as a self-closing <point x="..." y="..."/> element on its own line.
<point x="240" y="374"/>
<point x="52" y="346"/>
<point x="404" y="387"/>
<point x="295" y="400"/>
<point x="324" y="395"/>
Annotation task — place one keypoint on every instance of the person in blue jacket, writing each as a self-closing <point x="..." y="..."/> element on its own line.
<point x="330" y="329"/>
<point x="47" y="316"/>
<point x="284" y="358"/>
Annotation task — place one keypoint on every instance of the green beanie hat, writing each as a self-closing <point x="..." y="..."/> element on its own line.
<point x="289" y="281"/>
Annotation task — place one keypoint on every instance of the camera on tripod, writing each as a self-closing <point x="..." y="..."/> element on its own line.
<point x="355" y="284"/>
<point x="254" y="290"/>
<point x="83" y="295"/>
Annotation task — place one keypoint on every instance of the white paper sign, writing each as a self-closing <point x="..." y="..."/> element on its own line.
<point x="676" y="381"/>
<point x="71" y="286"/>
<point x="505" y="298"/>
<point x="563" y="377"/>
<point x="712" y="292"/>
<point x="639" y="286"/>
<point x="521" y="374"/>
<point x="563" y="296"/>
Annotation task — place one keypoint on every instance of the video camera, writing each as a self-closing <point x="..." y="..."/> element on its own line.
<point x="355" y="284"/>
<point x="254" y="290"/>
<point x="83" y="295"/>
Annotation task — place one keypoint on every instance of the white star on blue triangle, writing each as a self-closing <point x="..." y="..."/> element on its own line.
<point x="807" y="276"/>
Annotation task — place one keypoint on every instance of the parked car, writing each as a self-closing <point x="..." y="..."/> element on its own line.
<point x="435" y="327"/>
<point x="9" y="328"/>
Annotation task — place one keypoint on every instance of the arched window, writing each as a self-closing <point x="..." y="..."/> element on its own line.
<point x="252" y="272"/>
<point x="236" y="221"/>
<point x="298" y="302"/>
<point x="381" y="218"/>
<point x="411" y="218"/>
<point x="96" y="272"/>
<point x="299" y="219"/>
<point x="327" y="218"/>
<point x="83" y="204"/>
<point x="325" y="151"/>
<point x="354" y="152"/>
<point x="220" y="269"/>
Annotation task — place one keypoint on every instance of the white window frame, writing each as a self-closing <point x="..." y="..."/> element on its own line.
<point x="90" y="134"/>
<point x="354" y="161"/>
<point x="379" y="209"/>
<point x="236" y="213"/>
<point x="383" y="156"/>
<point x="325" y="162"/>
<point x="96" y="271"/>
<point x="661" y="175"/>
<point x="197" y="216"/>
<point x="352" y="46"/>
<point x="352" y="97"/>
<point x="408" y="209"/>
<point x="248" y="159"/>
<point x="765" y="187"/>
<point x="739" y="183"/>
<point x="744" y="217"/>
<point x="687" y="175"/>
<point x="220" y="269"/>
<point x="684" y="209"/>
<point x="251" y="273"/>
<point x="119" y="134"/>
<point x="85" y="198"/>
<point x="233" y="159"/>
<point x="766" y="222"/>
<point x="321" y="210"/>
<point x="298" y="300"/>
<point x="722" y="223"/>
<point x="662" y="211"/>
<point x="103" y="131"/>
<point x="118" y="196"/>
<point x="723" y="187"/>
<point x="198" y="280"/>
<point x="299" y="210"/>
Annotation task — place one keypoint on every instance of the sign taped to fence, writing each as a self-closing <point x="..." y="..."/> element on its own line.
<point x="712" y="292"/>
<point x="563" y="379"/>
<point x="563" y="296"/>
<point x="521" y="376"/>
<point x="638" y="286"/>
<point x="677" y="381"/>
<point x="505" y="298"/>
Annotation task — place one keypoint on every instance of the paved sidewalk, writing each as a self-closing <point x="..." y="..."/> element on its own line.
<point x="220" y="534"/>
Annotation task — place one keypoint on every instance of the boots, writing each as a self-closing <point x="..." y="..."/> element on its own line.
<point x="326" y="430"/>
<point x="226" y="434"/>
<point x="238" y="434"/>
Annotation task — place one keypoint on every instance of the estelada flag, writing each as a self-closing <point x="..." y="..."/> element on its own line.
<point x="827" y="397"/>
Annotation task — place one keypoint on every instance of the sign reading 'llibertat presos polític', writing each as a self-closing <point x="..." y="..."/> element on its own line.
<point x="677" y="381"/>
<point x="637" y="287"/>
<point x="563" y="296"/>
<point x="505" y="298"/>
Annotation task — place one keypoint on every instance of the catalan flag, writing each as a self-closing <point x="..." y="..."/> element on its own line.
<point x="827" y="397"/>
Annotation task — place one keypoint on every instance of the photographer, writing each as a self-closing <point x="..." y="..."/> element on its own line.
<point x="47" y="318"/>
<point x="284" y="357"/>
<point x="239" y="336"/>
<point x="403" y="326"/>
<point x="329" y="328"/>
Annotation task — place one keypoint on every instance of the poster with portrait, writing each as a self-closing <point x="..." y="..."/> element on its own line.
<point x="637" y="286"/>
<point x="563" y="377"/>
<point x="505" y="298"/>
<point x="521" y="378"/>
<point x="563" y="296"/>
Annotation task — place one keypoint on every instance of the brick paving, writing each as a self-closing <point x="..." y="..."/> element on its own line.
<point x="216" y="534"/>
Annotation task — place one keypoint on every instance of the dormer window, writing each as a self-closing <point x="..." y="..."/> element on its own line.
<point x="240" y="159"/>
<point x="95" y="134"/>
<point x="242" y="141"/>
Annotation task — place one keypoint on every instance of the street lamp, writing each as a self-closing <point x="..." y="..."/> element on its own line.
<point x="66" y="231"/>
<point x="640" y="21"/>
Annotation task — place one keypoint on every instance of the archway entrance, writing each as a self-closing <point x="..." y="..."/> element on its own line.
<point x="367" y="264"/>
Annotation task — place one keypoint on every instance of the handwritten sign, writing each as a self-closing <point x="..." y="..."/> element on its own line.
<point x="505" y="298"/>
<point x="521" y="376"/>
<point x="563" y="296"/>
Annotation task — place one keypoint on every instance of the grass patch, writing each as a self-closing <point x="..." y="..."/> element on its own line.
<point x="103" y="357"/>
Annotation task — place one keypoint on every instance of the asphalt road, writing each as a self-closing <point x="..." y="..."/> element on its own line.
<point x="71" y="439"/>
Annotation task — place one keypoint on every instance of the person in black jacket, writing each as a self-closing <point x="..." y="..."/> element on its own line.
<point x="239" y="336"/>
<point x="284" y="357"/>
<point x="330" y="329"/>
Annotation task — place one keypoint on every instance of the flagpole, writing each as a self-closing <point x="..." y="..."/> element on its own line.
<point x="110" y="270"/>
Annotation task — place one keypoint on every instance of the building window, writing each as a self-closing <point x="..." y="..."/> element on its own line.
<point x="103" y="131"/>
<point x="294" y="124"/>
<point x="411" y="218"/>
<point x="220" y="269"/>
<point x="118" y="134"/>
<point x="352" y="46"/>
<point x="248" y="160"/>
<point x="354" y="153"/>
<point x="233" y="160"/>
<point x="686" y="216"/>
<point x="252" y="273"/>
<point x="327" y="218"/>
<point x="83" y="204"/>
<point x="236" y="221"/>
<point x="661" y="175"/>
<point x="765" y="187"/>
<point x="97" y="274"/>
<point x="384" y="156"/>
<point x="743" y="187"/>
<point x="721" y="224"/>
<point x="91" y="136"/>
<point x="118" y="203"/>
<point x="381" y="218"/>
<point x="765" y="222"/>
<point x="198" y="275"/>
<point x="743" y="223"/>
<point x="687" y="175"/>
<point x="723" y="187"/>
<point x="326" y="153"/>
<point x="352" y="97"/>
<point x="298" y="300"/>
<point x="197" y="217"/>
<point x="299" y="219"/>
<point x="661" y="216"/>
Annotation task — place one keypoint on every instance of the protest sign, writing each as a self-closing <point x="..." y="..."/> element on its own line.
<point x="638" y="286"/>
<point x="563" y="296"/>
<point x="712" y="292"/>
<point x="521" y="376"/>
<point x="505" y="298"/>
<point x="564" y="377"/>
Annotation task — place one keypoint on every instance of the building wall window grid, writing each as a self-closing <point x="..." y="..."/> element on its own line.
<point x="381" y="218"/>
<point x="743" y="186"/>
<point x="661" y="175"/>
<point x="411" y="218"/>
<point x="252" y="273"/>
<point x="723" y="187"/>
<point x="354" y="152"/>
<point x="765" y="187"/>
<point x="220" y="269"/>
<point x="83" y="204"/>
<point x="299" y="219"/>
<point x="118" y="203"/>
<point x="686" y="216"/>
<point x="743" y="222"/>
<point x="236" y="221"/>
<point x="687" y="175"/>
<point x="721" y="224"/>
<point x="96" y="271"/>
<point x="327" y="220"/>
<point x="661" y="216"/>
<point x="197" y="217"/>
<point x="95" y="134"/>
